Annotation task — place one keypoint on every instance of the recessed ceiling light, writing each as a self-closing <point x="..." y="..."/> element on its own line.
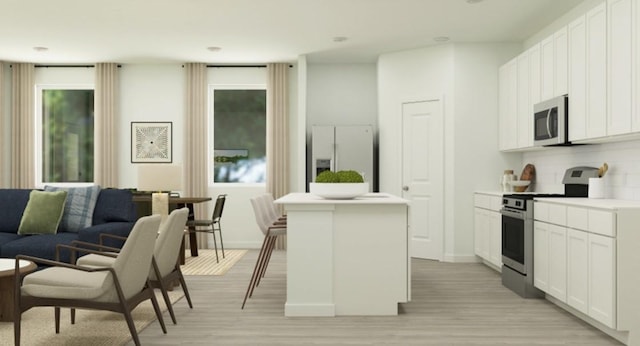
<point x="214" y="49"/>
<point x="40" y="49"/>
<point x="441" y="39"/>
<point x="339" y="39"/>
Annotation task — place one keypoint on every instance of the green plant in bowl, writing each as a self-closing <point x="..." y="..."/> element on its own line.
<point x="327" y="177"/>
<point x="349" y="177"/>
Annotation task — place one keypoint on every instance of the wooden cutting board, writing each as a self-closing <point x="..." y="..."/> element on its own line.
<point x="528" y="173"/>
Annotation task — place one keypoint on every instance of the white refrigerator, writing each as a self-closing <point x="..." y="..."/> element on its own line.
<point x="344" y="147"/>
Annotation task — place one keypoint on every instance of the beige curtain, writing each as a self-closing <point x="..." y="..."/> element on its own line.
<point x="22" y="126"/>
<point x="106" y="125"/>
<point x="195" y="156"/>
<point x="277" y="134"/>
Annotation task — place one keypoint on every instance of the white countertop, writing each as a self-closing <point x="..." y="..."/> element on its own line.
<point x="603" y="203"/>
<point x="369" y="198"/>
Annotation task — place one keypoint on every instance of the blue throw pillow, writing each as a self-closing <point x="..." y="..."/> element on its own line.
<point x="78" y="210"/>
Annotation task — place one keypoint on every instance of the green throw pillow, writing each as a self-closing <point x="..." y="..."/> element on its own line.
<point x="43" y="212"/>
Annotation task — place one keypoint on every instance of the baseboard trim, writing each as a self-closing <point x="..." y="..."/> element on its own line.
<point x="460" y="258"/>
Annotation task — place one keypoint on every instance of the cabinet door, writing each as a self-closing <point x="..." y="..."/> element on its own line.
<point x="576" y="31"/>
<point x="577" y="270"/>
<point x="561" y="60"/>
<point x="478" y="231"/>
<point x="507" y="105"/>
<point x="557" y="282"/>
<point x="596" y="26"/>
<point x="541" y="255"/>
<point x="602" y="285"/>
<point x="619" y="39"/>
<point x="635" y="23"/>
<point x="525" y="109"/>
<point x="535" y="76"/>
<point x="495" y="229"/>
<point x="547" y="67"/>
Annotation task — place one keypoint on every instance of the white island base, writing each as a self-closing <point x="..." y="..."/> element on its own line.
<point x="346" y="257"/>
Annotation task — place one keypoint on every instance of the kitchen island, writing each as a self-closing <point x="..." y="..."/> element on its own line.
<point x="348" y="256"/>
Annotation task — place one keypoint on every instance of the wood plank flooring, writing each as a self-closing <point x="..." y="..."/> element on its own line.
<point x="452" y="304"/>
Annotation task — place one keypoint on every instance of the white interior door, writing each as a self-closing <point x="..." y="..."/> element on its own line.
<point x="423" y="177"/>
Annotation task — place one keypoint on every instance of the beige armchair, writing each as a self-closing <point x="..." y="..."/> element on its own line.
<point x="118" y="288"/>
<point x="165" y="269"/>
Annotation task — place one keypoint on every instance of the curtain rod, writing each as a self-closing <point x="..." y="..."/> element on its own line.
<point x="72" y="66"/>
<point x="254" y="66"/>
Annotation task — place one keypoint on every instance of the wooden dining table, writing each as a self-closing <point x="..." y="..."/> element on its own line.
<point x="143" y="202"/>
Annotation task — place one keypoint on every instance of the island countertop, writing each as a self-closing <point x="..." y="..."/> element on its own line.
<point x="369" y="198"/>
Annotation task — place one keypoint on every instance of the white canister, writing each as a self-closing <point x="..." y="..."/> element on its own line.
<point x="596" y="188"/>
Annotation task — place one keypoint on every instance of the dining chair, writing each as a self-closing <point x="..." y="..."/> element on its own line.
<point x="164" y="270"/>
<point x="118" y="288"/>
<point x="211" y="225"/>
<point x="271" y="227"/>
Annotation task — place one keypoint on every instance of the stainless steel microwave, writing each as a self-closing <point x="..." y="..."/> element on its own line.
<point x="550" y="122"/>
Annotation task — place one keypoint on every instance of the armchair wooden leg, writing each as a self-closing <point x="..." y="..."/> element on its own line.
<point x="184" y="286"/>
<point x="156" y="307"/>
<point x="132" y="326"/>
<point x="57" y="318"/>
<point x="255" y="271"/>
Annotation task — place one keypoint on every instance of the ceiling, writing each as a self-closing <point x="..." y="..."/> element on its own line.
<point x="256" y="31"/>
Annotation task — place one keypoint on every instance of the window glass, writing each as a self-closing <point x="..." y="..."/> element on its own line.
<point x="239" y="135"/>
<point x="67" y="135"/>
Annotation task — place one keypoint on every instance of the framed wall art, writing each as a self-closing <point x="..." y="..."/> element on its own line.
<point x="151" y="142"/>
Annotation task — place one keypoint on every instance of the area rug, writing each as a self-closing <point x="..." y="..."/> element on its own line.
<point x="92" y="327"/>
<point x="205" y="262"/>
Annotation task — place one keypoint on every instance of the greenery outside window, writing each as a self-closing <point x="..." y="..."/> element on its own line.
<point x="66" y="139"/>
<point x="239" y="135"/>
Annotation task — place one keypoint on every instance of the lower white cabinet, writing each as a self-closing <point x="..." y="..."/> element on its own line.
<point x="577" y="266"/>
<point x="488" y="228"/>
<point x="550" y="259"/>
<point x="578" y="270"/>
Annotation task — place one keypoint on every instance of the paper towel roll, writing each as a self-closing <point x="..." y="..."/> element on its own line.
<point x="596" y="188"/>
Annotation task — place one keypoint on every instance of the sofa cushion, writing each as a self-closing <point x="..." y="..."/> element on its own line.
<point x="12" y="204"/>
<point x="114" y="205"/>
<point x="78" y="209"/>
<point x="41" y="245"/>
<point x="43" y="212"/>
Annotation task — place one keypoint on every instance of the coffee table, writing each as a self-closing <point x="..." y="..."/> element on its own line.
<point x="7" y="285"/>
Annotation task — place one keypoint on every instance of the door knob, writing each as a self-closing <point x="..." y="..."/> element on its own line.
<point x="405" y="188"/>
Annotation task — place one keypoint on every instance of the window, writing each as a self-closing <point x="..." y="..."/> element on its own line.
<point x="239" y="135"/>
<point x="66" y="142"/>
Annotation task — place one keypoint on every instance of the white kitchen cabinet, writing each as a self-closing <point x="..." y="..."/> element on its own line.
<point x="488" y="229"/>
<point x="525" y="108"/>
<point x="508" y="105"/>
<point x="602" y="279"/>
<point x="578" y="270"/>
<point x="619" y="67"/>
<point x="547" y="67"/>
<point x="577" y="37"/>
<point x="596" y="63"/>
<point x="557" y="262"/>
<point x="554" y="63"/>
<point x="535" y="75"/>
<point x="541" y="255"/>
<point x="580" y="265"/>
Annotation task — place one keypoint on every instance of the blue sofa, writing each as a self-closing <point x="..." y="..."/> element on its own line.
<point x="114" y="213"/>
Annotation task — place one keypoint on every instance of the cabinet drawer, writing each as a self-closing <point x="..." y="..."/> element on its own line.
<point x="602" y="222"/>
<point x="487" y="202"/>
<point x="541" y="211"/>
<point x="558" y="214"/>
<point x="577" y="218"/>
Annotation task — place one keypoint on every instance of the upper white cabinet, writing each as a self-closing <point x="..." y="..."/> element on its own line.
<point x="619" y="67"/>
<point x="508" y="105"/>
<point x="595" y="59"/>
<point x="596" y="107"/>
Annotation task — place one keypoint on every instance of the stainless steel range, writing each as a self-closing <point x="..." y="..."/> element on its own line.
<point x="517" y="231"/>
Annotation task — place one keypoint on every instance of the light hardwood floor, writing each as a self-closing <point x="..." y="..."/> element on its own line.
<point x="452" y="304"/>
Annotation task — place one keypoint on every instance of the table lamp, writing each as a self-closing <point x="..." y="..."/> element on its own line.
<point x="160" y="179"/>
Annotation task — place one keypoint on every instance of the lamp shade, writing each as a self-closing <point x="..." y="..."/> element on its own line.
<point x="159" y="177"/>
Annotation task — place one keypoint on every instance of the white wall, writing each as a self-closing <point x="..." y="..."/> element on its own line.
<point x="465" y="76"/>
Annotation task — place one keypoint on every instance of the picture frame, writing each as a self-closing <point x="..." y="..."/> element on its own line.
<point x="151" y="142"/>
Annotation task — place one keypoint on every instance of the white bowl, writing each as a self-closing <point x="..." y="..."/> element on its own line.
<point x="519" y="183"/>
<point x="338" y="190"/>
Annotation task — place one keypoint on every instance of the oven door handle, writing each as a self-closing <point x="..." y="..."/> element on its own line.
<point x="513" y="214"/>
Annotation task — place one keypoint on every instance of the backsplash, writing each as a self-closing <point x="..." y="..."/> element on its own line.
<point x="622" y="181"/>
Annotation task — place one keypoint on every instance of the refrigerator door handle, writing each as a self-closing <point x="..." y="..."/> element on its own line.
<point x="335" y="162"/>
